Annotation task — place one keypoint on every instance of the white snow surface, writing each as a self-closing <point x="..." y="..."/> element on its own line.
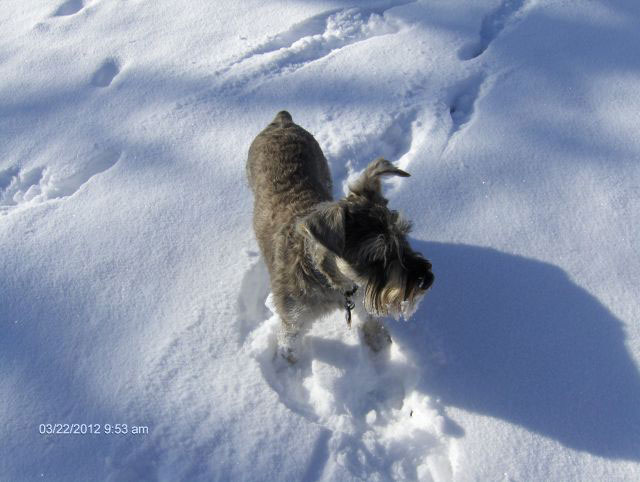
<point x="131" y="287"/>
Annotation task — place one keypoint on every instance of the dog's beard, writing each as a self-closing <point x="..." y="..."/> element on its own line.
<point x="392" y="295"/>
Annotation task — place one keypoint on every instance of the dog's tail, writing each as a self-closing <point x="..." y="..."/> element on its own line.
<point x="282" y="119"/>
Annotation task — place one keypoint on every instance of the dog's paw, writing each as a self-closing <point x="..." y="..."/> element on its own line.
<point x="287" y="353"/>
<point x="288" y="348"/>
<point x="375" y="335"/>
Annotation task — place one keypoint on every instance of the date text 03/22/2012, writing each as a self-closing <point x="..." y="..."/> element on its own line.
<point x="92" y="429"/>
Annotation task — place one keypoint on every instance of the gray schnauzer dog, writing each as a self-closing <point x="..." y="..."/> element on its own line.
<point x="320" y="251"/>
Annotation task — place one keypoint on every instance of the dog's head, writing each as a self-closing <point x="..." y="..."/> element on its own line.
<point x="370" y="244"/>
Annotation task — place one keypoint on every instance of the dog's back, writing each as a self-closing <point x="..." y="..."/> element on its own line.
<point x="288" y="175"/>
<point x="286" y="159"/>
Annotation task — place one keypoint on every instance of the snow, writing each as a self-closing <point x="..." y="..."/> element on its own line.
<point x="131" y="287"/>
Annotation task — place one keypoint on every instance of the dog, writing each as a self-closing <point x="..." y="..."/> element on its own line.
<point x="320" y="251"/>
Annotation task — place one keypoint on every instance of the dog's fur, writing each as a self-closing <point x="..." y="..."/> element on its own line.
<point x="317" y="249"/>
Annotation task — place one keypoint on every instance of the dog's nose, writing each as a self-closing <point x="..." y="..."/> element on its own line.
<point x="425" y="281"/>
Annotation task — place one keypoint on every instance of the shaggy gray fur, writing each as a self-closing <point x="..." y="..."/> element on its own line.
<point x="317" y="249"/>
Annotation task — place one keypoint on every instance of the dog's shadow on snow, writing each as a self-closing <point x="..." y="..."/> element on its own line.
<point x="522" y="342"/>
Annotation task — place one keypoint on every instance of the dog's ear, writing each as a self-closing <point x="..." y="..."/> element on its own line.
<point x="368" y="184"/>
<point x="325" y="225"/>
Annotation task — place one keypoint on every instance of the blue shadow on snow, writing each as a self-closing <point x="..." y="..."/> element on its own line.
<point x="525" y="344"/>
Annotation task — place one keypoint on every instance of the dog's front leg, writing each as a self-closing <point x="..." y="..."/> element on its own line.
<point x="288" y="341"/>
<point x="374" y="333"/>
<point x="294" y="323"/>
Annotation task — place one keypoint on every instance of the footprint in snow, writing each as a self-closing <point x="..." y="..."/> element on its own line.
<point x="463" y="99"/>
<point x="507" y="14"/>
<point x="105" y="73"/>
<point x="70" y="7"/>
<point x="308" y="41"/>
<point x="461" y="102"/>
<point x="20" y="187"/>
